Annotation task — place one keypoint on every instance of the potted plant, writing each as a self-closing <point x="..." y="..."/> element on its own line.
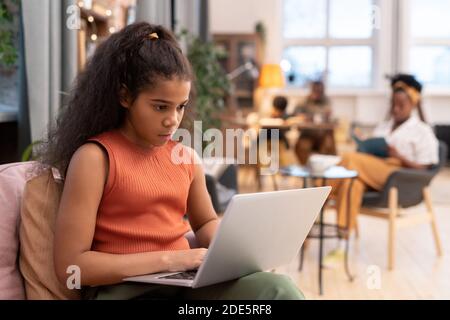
<point x="9" y="10"/>
<point x="211" y="83"/>
<point x="9" y="30"/>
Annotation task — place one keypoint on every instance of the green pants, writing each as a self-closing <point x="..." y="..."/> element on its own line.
<point x="257" y="286"/>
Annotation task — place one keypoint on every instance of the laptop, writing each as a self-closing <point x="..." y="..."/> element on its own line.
<point x="258" y="232"/>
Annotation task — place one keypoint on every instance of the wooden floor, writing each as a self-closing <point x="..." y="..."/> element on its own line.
<point x="419" y="273"/>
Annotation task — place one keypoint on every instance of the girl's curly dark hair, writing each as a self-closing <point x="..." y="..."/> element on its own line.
<point x="130" y="59"/>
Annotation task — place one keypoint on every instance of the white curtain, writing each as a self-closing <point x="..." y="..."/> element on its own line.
<point x="50" y="59"/>
<point x="187" y="16"/>
<point x="191" y="15"/>
<point x="154" y="11"/>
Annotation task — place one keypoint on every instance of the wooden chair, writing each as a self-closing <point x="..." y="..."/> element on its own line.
<point x="405" y="188"/>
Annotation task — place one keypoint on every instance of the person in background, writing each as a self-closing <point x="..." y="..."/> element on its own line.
<point x="316" y="108"/>
<point x="279" y="107"/>
<point x="411" y="144"/>
<point x="316" y="104"/>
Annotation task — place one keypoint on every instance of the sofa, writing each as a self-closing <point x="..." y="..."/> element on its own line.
<point x="29" y="200"/>
<point x="12" y="182"/>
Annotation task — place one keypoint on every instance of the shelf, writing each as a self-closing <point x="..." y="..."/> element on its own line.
<point x="240" y="48"/>
<point x="243" y="94"/>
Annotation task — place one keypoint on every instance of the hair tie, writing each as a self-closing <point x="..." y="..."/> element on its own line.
<point x="153" y="36"/>
<point x="412" y="92"/>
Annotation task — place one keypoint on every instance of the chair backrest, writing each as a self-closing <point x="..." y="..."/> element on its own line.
<point x="412" y="194"/>
<point x="443" y="154"/>
<point x="410" y="183"/>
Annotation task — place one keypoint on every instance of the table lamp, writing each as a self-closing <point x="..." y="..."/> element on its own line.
<point x="271" y="77"/>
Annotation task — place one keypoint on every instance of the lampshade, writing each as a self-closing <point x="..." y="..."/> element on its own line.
<point x="271" y="76"/>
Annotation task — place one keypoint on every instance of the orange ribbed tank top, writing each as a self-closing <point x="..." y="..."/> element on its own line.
<point x="144" y="200"/>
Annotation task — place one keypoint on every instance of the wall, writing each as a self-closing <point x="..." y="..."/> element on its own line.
<point x="241" y="17"/>
<point x="367" y="107"/>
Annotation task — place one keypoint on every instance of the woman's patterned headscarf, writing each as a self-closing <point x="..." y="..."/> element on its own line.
<point x="409" y="84"/>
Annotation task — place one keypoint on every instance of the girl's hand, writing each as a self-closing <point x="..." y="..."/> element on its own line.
<point x="185" y="260"/>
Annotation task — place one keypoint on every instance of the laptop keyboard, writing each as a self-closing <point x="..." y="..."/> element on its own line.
<point x="188" y="275"/>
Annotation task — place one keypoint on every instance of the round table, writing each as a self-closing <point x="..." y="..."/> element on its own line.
<point x="324" y="230"/>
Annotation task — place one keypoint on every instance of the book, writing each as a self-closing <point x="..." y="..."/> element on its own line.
<point x="375" y="146"/>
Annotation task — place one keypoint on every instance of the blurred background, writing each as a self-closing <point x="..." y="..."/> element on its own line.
<point x="338" y="52"/>
<point x="350" y="45"/>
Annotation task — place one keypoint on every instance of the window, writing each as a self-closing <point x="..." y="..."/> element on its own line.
<point x="305" y="19"/>
<point x="429" y="56"/>
<point x="330" y="39"/>
<point x="302" y="63"/>
<point x="350" y="66"/>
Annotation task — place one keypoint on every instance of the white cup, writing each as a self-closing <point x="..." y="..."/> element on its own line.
<point x="317" y="166"/>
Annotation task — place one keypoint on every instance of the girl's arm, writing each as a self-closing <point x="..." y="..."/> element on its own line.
<point x="75" y="226"/>
<point x="201" y="214"/>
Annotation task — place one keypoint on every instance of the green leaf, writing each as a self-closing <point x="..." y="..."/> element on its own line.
<point x="8" y="33"/>
<point x="212" y="84"/>
<point x="27" y="154"/>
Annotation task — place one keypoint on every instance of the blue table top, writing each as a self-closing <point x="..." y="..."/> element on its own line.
<point x="334" y="172"/>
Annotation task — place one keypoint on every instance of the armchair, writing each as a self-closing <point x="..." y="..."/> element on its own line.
<point x="228" y="179"/>
<point x="405" y="188"/>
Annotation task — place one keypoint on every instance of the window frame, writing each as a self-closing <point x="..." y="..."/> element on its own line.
<point x="408" y="41"/>
<point x="327" y="42"/>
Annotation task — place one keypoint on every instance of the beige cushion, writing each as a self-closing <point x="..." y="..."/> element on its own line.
<point x="38" y="217"/>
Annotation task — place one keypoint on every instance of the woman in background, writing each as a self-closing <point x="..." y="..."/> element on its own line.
<point x="411" y="144"/>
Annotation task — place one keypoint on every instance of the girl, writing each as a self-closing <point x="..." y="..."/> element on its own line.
<point x="124" y="198"/>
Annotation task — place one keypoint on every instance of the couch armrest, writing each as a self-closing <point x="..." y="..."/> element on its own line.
<point x="212" y="190"/>
<point x="190" y="237"/>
